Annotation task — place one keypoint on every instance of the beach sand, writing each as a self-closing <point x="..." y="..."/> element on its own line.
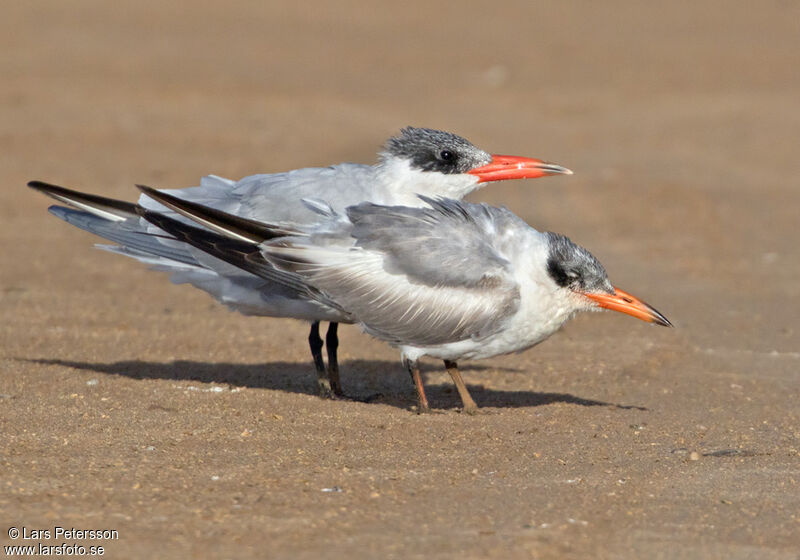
<point x="131" y="404"/>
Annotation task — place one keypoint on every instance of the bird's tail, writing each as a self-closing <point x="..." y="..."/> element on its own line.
<point x="229" y="225"/>
<point x="233" y="239"/>
<point x="117" y="221"/>
<point x="220" y="265"/>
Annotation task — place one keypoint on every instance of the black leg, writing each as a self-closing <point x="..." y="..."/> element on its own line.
<point x="332" y="344"/>
<point x="422" y="400"/>
<point x="469" y="405"/>
<point x="315" y="342"/>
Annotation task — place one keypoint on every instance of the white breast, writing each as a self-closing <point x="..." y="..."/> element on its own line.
<point x="542" y="311"/>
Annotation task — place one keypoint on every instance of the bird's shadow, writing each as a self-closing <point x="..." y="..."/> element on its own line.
<point x="364" y="380"/>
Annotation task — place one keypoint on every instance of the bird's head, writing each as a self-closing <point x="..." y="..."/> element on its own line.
<point x="444" y="164"/>
<point x="580" y="276"/>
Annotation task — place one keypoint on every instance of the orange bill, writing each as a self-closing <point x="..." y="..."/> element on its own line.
<point x="502" y="168"/>
<point x="630" y="305"/>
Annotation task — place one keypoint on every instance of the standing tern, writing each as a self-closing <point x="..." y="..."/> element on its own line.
<point x="451" y="280"/>
<point x="417" y="161"/>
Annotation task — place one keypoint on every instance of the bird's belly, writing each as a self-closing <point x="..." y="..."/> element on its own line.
<point x="518" y="335"/>
<point x="253" y="296"/>
<point x="293" y="308"/>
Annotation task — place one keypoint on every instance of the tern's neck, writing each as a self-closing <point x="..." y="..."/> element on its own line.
<point x="405" y="182"/>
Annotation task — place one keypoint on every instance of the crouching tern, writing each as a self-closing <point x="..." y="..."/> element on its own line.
<point x="417" y="161"/>
<point x="451" y="280"/>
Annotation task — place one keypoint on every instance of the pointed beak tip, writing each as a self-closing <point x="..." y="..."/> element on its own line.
<point x="558" y="170"/>
<point x="626" y="303"/>
<point x="663" y="322"/>
<point x="546" y="168"/>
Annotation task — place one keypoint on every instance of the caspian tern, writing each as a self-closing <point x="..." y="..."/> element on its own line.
<point x="418" y="161"/>
<point x="452" y="280"/>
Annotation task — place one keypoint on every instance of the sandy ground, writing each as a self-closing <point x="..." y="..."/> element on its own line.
<point x="130" y="404"/>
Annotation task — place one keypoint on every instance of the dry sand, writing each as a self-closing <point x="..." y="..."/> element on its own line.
<point x="130" y="404"/>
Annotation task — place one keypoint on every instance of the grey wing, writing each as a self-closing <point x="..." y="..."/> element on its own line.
<point x="233" y="272"/>
<point x="129" y="235"/>
<point x="278" y="197"/>
<point x="450" y="243"/>
<point x="243" y="256"/>
<point x="418" y="276"/>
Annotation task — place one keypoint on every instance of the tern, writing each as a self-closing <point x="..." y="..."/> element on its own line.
<point x="418" y="161"/>
<point x="450" y="280"/>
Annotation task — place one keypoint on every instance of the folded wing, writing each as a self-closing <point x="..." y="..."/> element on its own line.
<point x="413" y="276"/>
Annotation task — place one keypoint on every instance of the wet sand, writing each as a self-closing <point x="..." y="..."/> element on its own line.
<point x="131" y="404"/>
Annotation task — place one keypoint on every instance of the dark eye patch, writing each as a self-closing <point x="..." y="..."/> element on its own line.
<point x="557" y="272"/>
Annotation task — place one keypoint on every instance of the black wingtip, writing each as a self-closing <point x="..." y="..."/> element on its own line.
<point x="86" y="201"/>
<point x="217" y="220"/>
<point x="151" y="192"/>
<point x="48" y="188"/>
<point x="38" y="185"/>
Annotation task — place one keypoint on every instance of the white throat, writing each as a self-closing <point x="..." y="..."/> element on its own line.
<point x="405" y="183"/>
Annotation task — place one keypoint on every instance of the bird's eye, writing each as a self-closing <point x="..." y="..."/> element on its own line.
<point x="446" y="155"/>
